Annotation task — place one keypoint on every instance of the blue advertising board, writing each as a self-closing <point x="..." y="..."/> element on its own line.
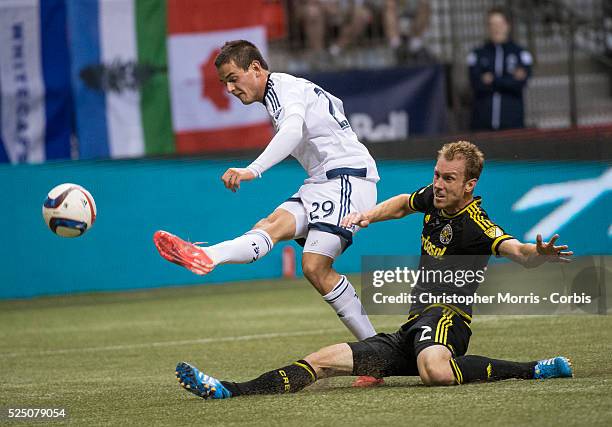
<point x="186" y="197"/>
<point x="390" y="104"/>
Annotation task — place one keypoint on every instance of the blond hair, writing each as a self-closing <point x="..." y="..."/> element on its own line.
<point x="474" y="159"/>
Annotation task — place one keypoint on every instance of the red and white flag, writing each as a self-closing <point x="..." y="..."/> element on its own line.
<point x="205" y="116"/>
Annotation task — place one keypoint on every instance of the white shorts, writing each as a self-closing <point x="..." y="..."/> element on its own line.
<point x="319" y="207"/>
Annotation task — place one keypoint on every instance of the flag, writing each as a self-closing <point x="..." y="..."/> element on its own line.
<point x="205" y="117"/>
<point x="119" y="77"/>
<point x="35" y="100"/>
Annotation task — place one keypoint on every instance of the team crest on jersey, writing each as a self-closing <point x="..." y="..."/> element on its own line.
<point x="446" y="235"/>
<point x="494" y="232"/>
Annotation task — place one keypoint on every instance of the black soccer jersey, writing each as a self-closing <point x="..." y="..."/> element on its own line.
<point x="455" y="250"/>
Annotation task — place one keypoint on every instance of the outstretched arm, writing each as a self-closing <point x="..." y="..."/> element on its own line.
<point x="530" y="255"/>
<point x="284" y="142"/>
<point x="393" y="208"/>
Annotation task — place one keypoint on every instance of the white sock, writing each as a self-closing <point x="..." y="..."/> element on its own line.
<point x="247" y="248"/>
<point x="345" y="301"/>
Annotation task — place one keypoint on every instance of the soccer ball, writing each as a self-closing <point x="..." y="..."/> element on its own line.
<point x="69" y="210"/>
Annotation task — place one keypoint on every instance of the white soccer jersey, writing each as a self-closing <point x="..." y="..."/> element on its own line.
<point x="329" y="147"/>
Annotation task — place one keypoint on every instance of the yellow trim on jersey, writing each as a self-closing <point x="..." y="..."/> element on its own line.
<point x="443" y="324"/>
<point x="443" y="328"/>
<point x="301" y="365"/>
<point x="440" y="323"/>
<point x="497" y="241"/>
<point x="453" y="308"/>
<point x="456" y="371"/>
<point x="476" y="215"/>
<point x="413" y="195"/>
<point x="485" y="221"/>
<point x="411" y="202"/>
<point x="445" y="332"/>
<point x="472" y="203"/>
<point x="412" y="317"/>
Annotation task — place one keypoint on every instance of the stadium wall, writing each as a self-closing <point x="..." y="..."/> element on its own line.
<point x="186" y="197"/>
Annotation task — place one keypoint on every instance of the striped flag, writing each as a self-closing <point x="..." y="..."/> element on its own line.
<point x="127" y="77"/>
<point x="119" y="77"/>
<point x="35" y="100"/>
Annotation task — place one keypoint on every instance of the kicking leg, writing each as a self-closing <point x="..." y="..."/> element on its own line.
<point x="330" y="361"/>
<point x="249" y="247"/>
<point x="256" y="243"/>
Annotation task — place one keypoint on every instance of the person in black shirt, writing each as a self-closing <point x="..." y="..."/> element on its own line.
<point x="457" y="235"/>
<point x="453" y="242"/>
<point x="498" y="72"/>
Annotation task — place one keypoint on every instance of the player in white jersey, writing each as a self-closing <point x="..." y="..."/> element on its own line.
<point x="311" y="126"/>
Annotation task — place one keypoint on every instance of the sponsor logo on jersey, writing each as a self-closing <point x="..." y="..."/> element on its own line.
<point x="430" y="248"/>
<point x="446" y="235"/>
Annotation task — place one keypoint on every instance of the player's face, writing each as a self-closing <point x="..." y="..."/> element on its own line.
<point x="499" y="28"/>
<point x="243" y="84"/>
<point x="450" y="187"/>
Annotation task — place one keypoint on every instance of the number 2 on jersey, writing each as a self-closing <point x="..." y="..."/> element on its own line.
<point x="424" y="336"/>
<point x="342" y="123"/>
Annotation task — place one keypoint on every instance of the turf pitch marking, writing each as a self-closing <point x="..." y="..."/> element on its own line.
<point x="170" y="343"/>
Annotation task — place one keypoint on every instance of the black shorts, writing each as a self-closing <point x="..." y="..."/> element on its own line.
<point x="386" y="355"/>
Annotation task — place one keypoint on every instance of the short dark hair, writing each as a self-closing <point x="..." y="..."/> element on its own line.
<point x="242" y="52"/>
<point x="498" y="10"/>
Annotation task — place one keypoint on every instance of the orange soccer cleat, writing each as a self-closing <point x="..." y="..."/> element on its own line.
<point x="185" y="254"/>
<point x="367" y="381"/>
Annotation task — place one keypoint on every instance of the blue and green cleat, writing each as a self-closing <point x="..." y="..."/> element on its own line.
<point x="200" y="384"/>
<point x="557" y="367"/>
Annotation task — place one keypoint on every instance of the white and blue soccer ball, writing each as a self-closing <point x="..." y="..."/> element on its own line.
<point x="69" y="210"/>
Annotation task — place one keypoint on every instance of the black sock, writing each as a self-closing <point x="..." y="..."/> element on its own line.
<point x="468" y="369"/>
<point x="289" y="379"/>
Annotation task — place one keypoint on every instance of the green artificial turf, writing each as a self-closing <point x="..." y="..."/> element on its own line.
<point x="109" y="359"/>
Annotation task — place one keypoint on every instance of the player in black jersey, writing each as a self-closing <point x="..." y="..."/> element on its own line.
<point x="457" y="235"/>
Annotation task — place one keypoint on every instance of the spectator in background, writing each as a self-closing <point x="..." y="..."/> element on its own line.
<point x="403" y="21"/>
<point x="413" y="19"/>
<point x="607" y="25"/>
<point x="317" y="18"/>
<point x="360" y="16"/>
<point x="498" y="70"/>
